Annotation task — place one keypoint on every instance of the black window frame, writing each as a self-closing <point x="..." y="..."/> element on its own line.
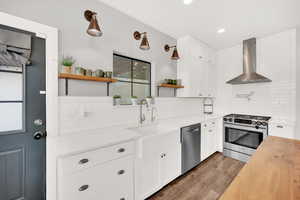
<point x="131" y="68"/>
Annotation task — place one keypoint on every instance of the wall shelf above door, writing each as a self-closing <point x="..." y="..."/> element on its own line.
<point x="85" y="78"/>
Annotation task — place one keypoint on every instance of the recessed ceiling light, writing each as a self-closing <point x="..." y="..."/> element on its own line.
<point x="221" y="30"/>
<point x="187" y="2"/>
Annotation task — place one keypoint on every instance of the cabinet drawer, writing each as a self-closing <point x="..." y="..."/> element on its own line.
<point x="109" y="181"/>
<point x="81" y="161"/>
<point x="282" y="130"/>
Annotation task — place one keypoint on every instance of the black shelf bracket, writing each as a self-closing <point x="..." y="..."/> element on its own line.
<point x="67" y="87"/>
<point x="175" y="90"/>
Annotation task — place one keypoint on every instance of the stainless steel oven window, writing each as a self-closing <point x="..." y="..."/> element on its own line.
<point x="243" y="137"/>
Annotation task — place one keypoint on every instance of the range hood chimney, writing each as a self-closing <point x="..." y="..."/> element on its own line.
<point x="249" y="66"/>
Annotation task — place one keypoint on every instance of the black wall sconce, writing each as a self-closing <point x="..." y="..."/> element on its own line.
<point x="175" y="55"/>
<point x="93" y="29"/>
<point x="145" y="43"/>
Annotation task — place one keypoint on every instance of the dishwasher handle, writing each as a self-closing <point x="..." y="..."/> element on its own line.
<point x="193" y="129"/>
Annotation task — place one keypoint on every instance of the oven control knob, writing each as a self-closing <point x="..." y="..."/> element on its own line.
<point x="258" y="123"/>
<point x="225" y="119"/>
<point x="264" y="123"/>
<point x="257" y="127"/>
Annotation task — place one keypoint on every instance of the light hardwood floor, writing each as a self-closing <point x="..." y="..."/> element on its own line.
<point x="208" y="181"/>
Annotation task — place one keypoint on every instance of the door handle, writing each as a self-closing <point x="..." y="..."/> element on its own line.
<point x="39" y="134"/>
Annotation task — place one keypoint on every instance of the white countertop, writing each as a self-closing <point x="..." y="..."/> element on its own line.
<point x="171" y="124"/>
<point x="93" y="139"/>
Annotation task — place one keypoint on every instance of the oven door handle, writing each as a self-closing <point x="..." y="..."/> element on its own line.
<point x="246" y="128"/>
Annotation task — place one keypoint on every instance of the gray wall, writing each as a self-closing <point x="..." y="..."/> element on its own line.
<point x="90" y="52"/>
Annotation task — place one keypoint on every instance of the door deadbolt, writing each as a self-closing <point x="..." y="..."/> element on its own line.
<point x="39" y="134"/>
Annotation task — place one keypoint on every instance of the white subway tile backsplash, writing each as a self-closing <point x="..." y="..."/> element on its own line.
<point x="78" y="114"/>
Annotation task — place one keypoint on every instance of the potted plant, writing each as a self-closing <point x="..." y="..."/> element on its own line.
<point x="134" y="100"/>
<point x="117" y="99"/>
<point x="67" y="64"/>
<point x="149" y="100"/>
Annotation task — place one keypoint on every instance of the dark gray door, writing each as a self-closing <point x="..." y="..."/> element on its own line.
<point x="23" y="158"/>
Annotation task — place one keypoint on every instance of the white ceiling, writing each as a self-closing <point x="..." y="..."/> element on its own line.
<point x="241" y="18"/>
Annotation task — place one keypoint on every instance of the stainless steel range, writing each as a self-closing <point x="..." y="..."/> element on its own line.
<point x="243" y="134"/>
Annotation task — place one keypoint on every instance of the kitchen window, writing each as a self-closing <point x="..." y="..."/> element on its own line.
<point x="134" y="78"/>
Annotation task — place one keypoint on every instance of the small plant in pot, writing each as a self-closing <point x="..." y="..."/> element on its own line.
<point x="149" y="100"/>
<point x="134" y="100"/>
<point x="117" y="99"/>
<point x="67" y="64"/>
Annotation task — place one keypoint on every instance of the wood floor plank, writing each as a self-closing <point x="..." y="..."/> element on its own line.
<point x="208" y="181"/>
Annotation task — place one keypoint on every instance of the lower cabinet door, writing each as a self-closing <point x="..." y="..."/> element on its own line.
<point x="110" y="181"/>
<point x="282" y="130"/>
<point x="170" y="158"/>
<point x="204" y="142"/>
<point x="147" y="179"/>
<point x="211" y="137"/>
<point x="208" y="139"/>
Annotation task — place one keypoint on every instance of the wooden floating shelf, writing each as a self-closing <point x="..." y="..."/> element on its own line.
<point x="170" y="86"/>
<point x="86" y="78"/>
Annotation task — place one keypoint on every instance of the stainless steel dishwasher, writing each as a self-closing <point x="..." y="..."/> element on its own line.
<point x="191" y="147"/>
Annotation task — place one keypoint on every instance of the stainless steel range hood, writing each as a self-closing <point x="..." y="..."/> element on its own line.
<point x="249" y="66"/>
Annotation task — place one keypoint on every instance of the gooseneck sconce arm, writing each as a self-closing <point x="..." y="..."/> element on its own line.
<point x="93" y="29"/>
<point x="175" y="55"/>
<point x="145" y="43"/>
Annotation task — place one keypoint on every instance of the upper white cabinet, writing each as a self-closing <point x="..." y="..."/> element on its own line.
<point x="196" y="68"/>
<point x="158" y="164"/>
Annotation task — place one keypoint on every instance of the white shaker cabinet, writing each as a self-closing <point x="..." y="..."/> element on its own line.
<point x="195" y="68"/>
<point x="158" y="164"/>
<point x="147" y="167"/>
<point x="106" y="173"/>
<point x="284" y="130"/>
<point x="170" y="165"/>
<point x="209" y="139"/>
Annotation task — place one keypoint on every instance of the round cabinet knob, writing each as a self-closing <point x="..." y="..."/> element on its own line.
<point x="83" y="188"/>
<point x="121" y="172"/>
<point x="83" y="161"/>
<point x="200" y="95"/>
<point x="39" y="134"/>
<point x="122" y="199"/>
<point x="121" y="150"/>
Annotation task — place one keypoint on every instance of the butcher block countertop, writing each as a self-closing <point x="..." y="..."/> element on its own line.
<point x="273" y="173"/>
